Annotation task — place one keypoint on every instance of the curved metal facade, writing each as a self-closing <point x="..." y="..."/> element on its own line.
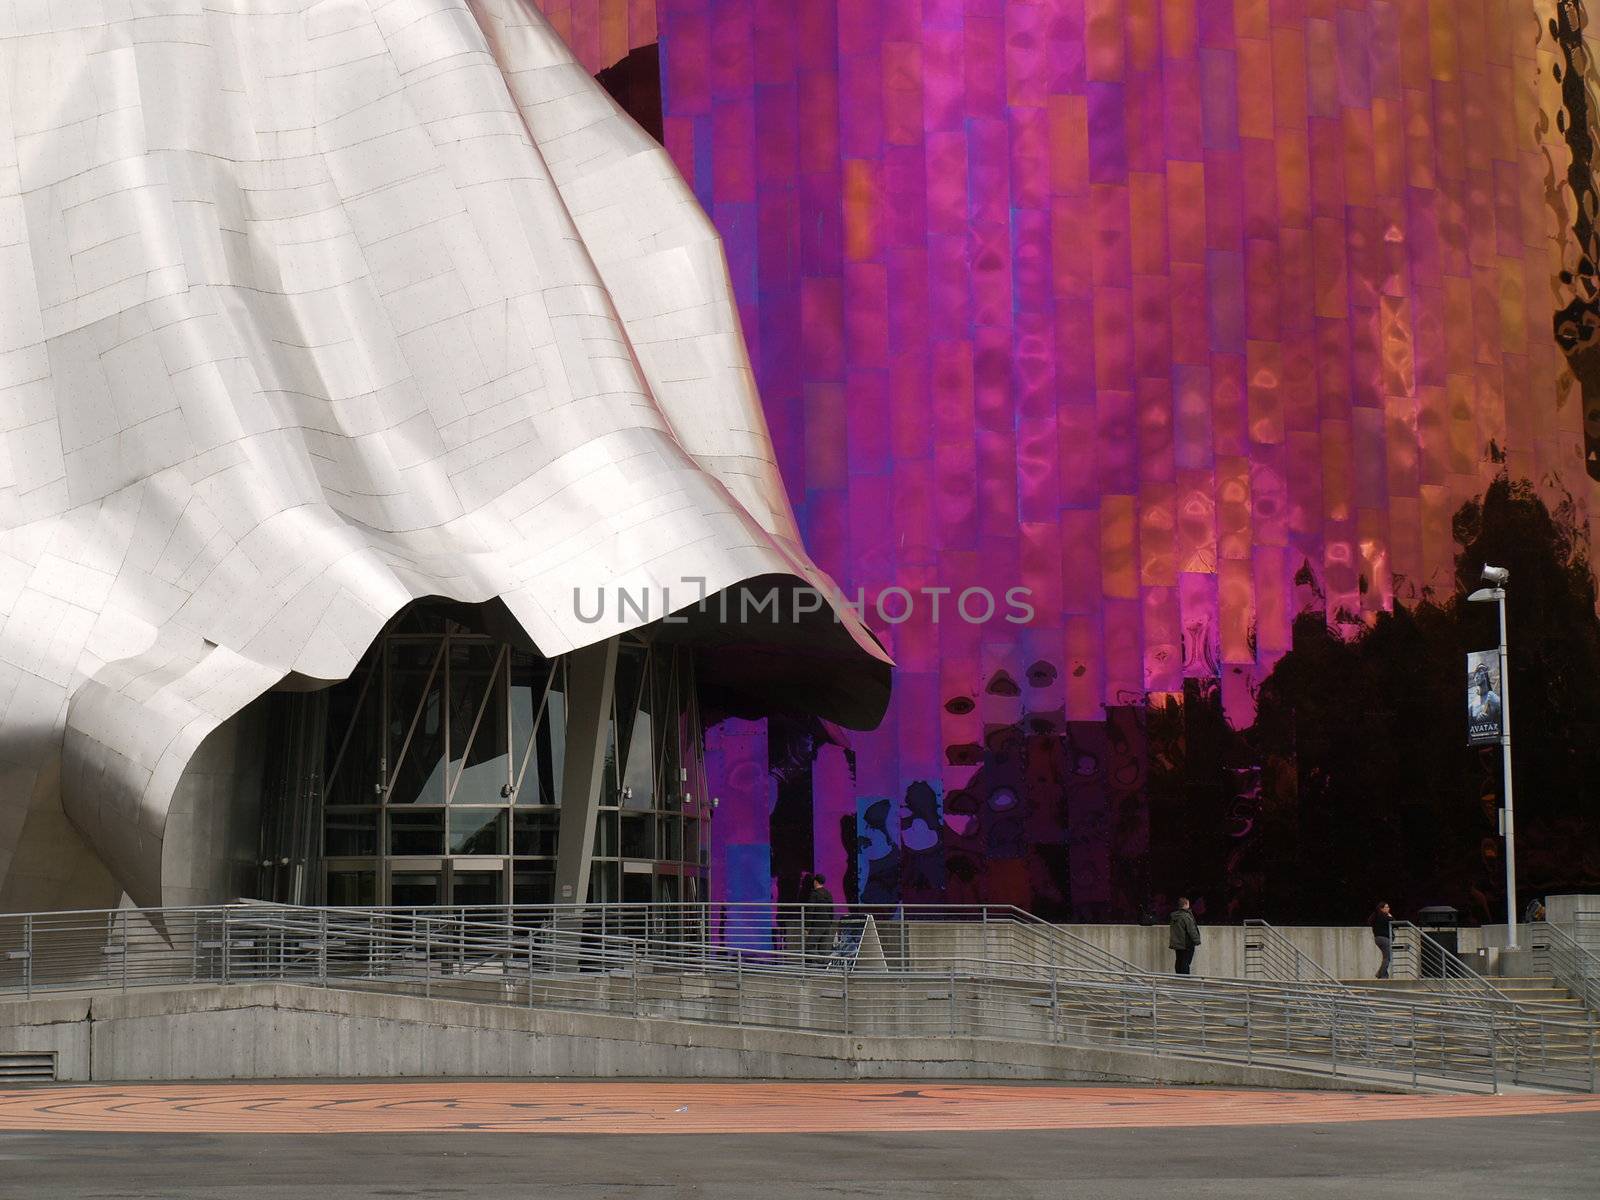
<point x="312" y="309"/>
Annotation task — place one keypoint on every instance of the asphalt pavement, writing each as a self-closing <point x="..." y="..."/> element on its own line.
<point x="1547" y="1157"/>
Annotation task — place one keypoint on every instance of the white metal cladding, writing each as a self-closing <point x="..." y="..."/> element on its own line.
<point x="310" y="309"/>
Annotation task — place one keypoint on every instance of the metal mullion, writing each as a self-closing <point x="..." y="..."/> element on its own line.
<point x="472" y="734"/>
<point x="422" y="703"/>
<point x="538" y="720"/>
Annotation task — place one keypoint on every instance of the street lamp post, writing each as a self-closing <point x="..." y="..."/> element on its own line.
<point x="1497" y="577"/>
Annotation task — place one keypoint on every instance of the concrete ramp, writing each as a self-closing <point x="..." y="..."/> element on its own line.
<point x="275" y="1030"/>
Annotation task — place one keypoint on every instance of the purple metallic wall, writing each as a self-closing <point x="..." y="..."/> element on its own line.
<point x="1187" y="315"/>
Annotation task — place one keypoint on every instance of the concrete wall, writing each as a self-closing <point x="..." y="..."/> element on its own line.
<point x="1346" y="952"/>
<point x="1564" y="910"/>
<point x="267" y="1031"/>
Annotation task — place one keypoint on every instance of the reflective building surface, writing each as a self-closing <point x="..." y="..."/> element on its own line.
<point x="1198" y="319"/>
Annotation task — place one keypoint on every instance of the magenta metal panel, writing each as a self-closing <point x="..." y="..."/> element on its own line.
<point x="1185" y="316"/>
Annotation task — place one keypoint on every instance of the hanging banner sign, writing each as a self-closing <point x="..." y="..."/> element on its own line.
<point x="1483" y="698"/>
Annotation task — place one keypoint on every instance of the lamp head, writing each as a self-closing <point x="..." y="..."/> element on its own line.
<point x="1495" y="575"/>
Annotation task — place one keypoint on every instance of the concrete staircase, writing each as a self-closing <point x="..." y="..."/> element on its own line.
<point x="1541" y="994"/>
<point x="1575" y="1050"/>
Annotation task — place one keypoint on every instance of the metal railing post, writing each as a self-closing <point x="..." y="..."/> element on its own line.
<point x="227" y="948"/>
<point x="952" y="1002"/>
<point x="846" y="1018"/>
<point x="427" y="957"/>
<point x="27" y="950"/>
<point x="1055" y="1006"/>
<point x="1249" y="1031"/>
<point x="638" y="1009"/>
<point x="1594" y="1081"/>
<point x="1494" y="1057"/>
<point x="322" y="946"/>
<point x="1333" y="1041"/>
<point x="1413" y="1047"/>
<point x="1155" y="1040"/>
<point x="124" y="915"/>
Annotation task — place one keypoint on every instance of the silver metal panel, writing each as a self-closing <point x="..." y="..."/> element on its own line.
<point x="311" y="309"/>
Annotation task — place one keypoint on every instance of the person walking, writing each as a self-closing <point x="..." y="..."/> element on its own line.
<point x="1383" y="937"/>
<point x="1185" y="936"/>
<point x="819" y="920"/>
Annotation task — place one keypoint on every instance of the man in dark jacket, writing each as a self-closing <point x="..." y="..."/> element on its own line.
<point x="819" y="918"/>
<point x="1185" y="936"/>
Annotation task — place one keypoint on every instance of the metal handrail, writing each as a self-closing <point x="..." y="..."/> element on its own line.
<point x="1267" y="949"/>
<point x="1586" y="931"/>
<point x="773" y="924"/>
<point x="1570" y="964"/>
<point x="675" y="969"/>
<point x="1517" y="1040"/>
<point x="1453" y="969"/>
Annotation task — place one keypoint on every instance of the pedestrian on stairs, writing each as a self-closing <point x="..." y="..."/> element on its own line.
<point x="1383" y="937"/>
<point x="1185" y="936"/>
<point x="819" y="919"/>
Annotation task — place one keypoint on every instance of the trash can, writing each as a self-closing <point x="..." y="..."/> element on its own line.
<point x="1441" y="923"/>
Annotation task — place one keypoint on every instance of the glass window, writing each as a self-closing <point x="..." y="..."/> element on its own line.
<point x="638" y="835"/>
<point x="353" y="754"/>
<point x="477" y="831"/>
<point x="416" y="710"/>
<point x="477" y="887"/>
<point x="414" y="889"/>
<point x="637" y="887"/>
<point x="605" y="833"/>
<point x="352" y="887"/>
<point x="479" y="763"/>
<point x="638" y="776"/>
<point x="533" y="887"/>
<point x="438" y="715"/>
<point x="351" y="834"/>
<point x="552" y="749"/>
<point x="670" y="842"/>
<point x="611" y="780"/>
<point x="669" y="693"/>
<point x="416" y="832"/>
<point x="528" y="677"/>
<point x="634" y="704"/>
<point x="535" y="833"/>
<point x="603" y="886"/>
